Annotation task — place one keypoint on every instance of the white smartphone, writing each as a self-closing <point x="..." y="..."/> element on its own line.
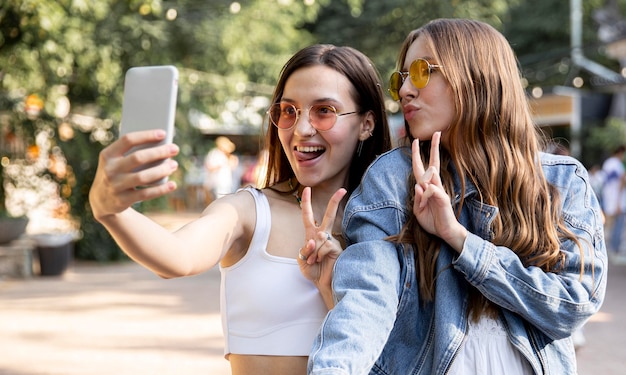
<point x="150" y="94"/>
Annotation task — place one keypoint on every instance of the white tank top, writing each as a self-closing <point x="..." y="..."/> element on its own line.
<point x="487" y="350"/>
<point x="268" y="307"/>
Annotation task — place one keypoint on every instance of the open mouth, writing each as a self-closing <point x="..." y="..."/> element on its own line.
<point x="308" y="152"/>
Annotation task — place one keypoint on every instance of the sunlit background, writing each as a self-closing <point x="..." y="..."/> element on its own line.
<point x="62" y="65"/>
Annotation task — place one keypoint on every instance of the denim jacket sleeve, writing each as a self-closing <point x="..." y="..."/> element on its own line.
<point x="553" y="302"/>
<point x="367" y="276"/>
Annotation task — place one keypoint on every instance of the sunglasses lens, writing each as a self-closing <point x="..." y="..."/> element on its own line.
<point x="395" y="82"/>
<point x="323" y="117"/>
<point x="283" y="115"/>
<point x="420" y="73"/>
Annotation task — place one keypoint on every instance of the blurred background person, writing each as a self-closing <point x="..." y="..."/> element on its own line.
<point x="220" y="163"/>
<point x="613" y="169"/>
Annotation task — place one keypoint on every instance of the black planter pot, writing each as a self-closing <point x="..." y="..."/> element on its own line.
<point x="55" y="253"/>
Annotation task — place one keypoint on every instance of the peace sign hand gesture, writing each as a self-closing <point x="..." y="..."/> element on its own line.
<point x="317" y="257"/>
<point x="432" y="206"/>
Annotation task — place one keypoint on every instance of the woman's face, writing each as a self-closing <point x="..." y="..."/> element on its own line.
<point x="429" y="109"/>
<point x="320" y="157"/>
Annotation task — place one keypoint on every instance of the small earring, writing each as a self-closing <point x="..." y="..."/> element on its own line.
<point x="359" y="148"/>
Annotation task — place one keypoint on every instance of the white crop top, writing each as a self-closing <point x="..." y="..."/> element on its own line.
<point x="268" y="307"/>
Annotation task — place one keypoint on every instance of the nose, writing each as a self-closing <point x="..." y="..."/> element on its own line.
<point x="303" y="126"/>
<point x="408" y="90"/>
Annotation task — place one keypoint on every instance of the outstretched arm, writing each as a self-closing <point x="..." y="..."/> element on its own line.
<point x="188" y="251"/>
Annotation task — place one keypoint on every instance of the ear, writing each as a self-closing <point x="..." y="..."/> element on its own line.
<point x="367" y="126"/>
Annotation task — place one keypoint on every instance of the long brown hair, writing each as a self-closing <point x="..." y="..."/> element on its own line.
<point x="493" y="144"/>
<point x="367" y="94"/>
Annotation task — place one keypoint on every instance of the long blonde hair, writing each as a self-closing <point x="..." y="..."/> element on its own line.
<point x="492" y="143"/>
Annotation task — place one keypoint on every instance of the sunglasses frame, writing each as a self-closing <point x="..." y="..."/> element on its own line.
<point x="395" y="92"/>
<point x="299" y="112"/>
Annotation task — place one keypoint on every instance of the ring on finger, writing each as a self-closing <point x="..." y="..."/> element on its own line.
<point x="328" y="237"/>
<point x="301" y="257"/>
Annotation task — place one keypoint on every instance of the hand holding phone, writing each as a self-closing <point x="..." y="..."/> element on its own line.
<point x="150" y="94"/>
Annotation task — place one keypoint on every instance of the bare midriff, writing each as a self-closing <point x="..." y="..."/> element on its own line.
<point x="267" y="365"/>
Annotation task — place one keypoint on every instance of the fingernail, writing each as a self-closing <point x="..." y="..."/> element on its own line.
<point x="428" y="174"/>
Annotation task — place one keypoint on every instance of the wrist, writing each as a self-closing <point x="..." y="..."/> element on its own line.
<point x="327" y="296"/>
<point x="458" y="239"/>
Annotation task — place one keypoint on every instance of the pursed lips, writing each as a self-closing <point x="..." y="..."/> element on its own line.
<point x="409" y="111"/>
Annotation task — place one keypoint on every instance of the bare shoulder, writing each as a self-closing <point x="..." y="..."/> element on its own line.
<point x="239" y="205"/>
<point x="233" y="215"/>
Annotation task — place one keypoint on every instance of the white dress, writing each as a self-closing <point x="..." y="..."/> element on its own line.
<point x="487" y="351"/>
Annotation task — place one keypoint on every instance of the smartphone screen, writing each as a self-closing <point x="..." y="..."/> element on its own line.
<point x="150" y="94"/>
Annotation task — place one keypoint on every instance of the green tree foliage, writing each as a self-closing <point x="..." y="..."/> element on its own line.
<point x="77" y="50"/>
<point x="378" y="27"/>
<point x="227" y="51"/>
<point x="80" y="50"/>
<point x="229" y="55"/>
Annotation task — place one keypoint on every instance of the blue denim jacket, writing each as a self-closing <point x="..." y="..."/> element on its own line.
<point x="381" y="326"/>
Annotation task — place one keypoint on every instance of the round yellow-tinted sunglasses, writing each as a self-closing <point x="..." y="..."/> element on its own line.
<point x="419" y="72"/>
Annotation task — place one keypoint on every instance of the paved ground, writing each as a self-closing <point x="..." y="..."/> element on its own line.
<point x="121" y="319"/>
<point x="111" y="319"/>
<point x="117" y="319"/>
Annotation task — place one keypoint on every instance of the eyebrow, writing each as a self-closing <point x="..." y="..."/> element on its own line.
<point x="316" y="101"/>
<point x="427" y="58"/>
